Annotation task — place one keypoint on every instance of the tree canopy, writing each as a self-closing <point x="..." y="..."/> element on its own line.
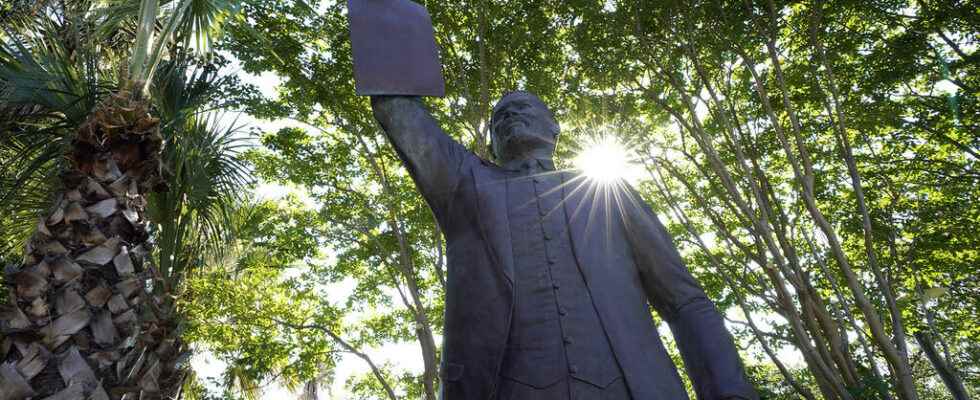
<point x="816" y="162"/>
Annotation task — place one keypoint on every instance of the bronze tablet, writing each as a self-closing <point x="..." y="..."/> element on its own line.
<point x="394" y="49"/>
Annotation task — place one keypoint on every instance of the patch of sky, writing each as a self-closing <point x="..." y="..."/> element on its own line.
<point x="701" y="109"/>
<point x="279" y="191"/>
<point x="945" y="87"/>
<point x="609" y="6"/>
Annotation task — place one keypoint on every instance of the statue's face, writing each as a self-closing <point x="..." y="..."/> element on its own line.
<point x="520" y="122"/>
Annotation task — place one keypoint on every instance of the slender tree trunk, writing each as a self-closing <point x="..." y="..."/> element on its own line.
<point x="850" y="317"/>
<point x="835" y="111"/>
<point x="672" y="202"/>
<point x="483" y="121"/>
<point x="350" y="348"/>
<point x="898" y="355"/>
<point x="762" y="224"/>
<point x="824" y="325"/>
<point x="904" y="381"/>
<point x="949" y="377"/>
<point x="830" y="386"/>
<point x="943" y="367"/>
<point x="440" y="266"/>
<point x="423" y="327"/>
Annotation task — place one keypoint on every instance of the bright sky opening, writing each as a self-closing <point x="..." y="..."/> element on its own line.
<point x="605" y="160"/>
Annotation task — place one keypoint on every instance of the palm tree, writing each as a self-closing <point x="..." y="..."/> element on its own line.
<point x="100" y="109"/>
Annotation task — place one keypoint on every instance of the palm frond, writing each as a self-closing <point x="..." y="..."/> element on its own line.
<point x="201" y="24"/>
<point x="145" y="27"/>
<point x="207" y="178"/>
<point x="181" y="88"/>
<point x="28" y="177"/>
<point x="13" y="11"/>
<point x="50" y="79"/>
<point x="195" y="24"/>
<point x="38" y="68"/>
<point x="242" y="381"/>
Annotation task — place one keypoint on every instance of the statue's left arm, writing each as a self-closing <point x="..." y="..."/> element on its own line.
<point x="707" y="348"/>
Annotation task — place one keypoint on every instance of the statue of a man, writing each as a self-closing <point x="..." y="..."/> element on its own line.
<point x="551" y="275"/>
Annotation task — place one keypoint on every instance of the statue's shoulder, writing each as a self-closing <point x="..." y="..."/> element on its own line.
<point x="481" y="169"/>
<point x="487" y="165"/>
<point x="574" y="173"/>
<point x="484" y="162"/>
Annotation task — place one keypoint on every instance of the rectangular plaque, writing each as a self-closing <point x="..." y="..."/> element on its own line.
<point x="394" y="49"/>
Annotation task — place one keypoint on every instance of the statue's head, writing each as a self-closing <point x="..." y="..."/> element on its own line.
<point x="521" y="124"/>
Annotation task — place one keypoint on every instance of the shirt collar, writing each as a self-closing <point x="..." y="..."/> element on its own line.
<point x="529" y="164"/>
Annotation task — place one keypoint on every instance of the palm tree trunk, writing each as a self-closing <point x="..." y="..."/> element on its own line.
<point x="84" y="321"/>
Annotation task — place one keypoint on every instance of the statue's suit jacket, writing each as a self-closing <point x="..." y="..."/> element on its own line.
<point x="624" y="251"/>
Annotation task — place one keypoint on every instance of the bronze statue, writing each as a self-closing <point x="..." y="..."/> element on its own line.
<point x="551" y="275"/>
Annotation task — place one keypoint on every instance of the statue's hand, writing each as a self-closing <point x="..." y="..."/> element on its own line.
<point x="381" y="105"/>
<point x="386" y="107"/>
<point x="378" y="101"/>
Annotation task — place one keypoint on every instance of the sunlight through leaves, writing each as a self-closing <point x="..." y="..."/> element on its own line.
<point x="605" y="160"/>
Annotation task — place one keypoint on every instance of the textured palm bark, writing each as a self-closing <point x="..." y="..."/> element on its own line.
<point x="82" y="320"/>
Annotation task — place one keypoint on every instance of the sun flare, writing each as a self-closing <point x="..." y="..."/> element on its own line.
<point x="604" y="160"/>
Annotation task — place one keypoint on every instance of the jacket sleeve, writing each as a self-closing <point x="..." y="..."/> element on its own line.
<point x="707" y="348"/>
<point x="433" y="159"/>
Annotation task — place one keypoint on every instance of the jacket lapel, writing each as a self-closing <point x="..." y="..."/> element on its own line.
<point x="491" y="189"/>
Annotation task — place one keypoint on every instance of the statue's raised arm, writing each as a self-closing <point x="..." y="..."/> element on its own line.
<point x="395" y="61"/>
<point x="432" y="157"/>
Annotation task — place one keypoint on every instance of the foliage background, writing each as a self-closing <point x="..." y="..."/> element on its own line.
<point x="748" y="121"/>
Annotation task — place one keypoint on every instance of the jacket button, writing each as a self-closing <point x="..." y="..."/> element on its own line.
<point x="562" y="311"/>
<point x="573" y="369"/>
<point x="568" y="340"/>
<point x="556" y="285"/>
